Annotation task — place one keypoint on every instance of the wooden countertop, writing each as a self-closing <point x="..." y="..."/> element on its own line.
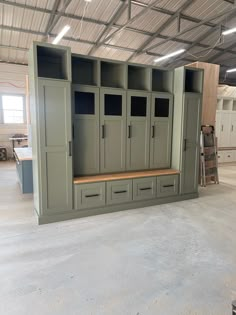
<point x="120" y="176"/>
<point x="23" y="154"/>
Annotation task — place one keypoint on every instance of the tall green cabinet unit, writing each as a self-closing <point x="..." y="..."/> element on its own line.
<point x="187" y="122"/>
<point x="109" y="136"/>
<point x="50" y="81"/>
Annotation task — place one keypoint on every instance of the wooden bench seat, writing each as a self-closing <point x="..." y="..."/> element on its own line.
<point x="121" y="176"/>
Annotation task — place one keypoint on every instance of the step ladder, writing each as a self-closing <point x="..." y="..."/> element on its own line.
<point x="209" y="156"/>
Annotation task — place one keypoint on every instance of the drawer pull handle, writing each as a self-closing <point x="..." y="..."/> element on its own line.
<point x="103" y="131"/>
<point x="148" y="188"/>
<point x="168" y="185"/>
<point x="120" y="192"/>
<point x="129" y="132"/>
<point x="153" y="131"/>
<point x="94" y="195"/>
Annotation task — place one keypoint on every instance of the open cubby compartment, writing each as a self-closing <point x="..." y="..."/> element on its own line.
<point x="162" y="80"/>
<point x="53" y="62"/>
<point x="227" y="104"/>
<point x="193" y="80"/>
<point x="234" y="105"/>
<point x="85" y="71"/>
<point x="219" y="105"/>
<point x="113" y="74"/>
<point x="139" y="78"/>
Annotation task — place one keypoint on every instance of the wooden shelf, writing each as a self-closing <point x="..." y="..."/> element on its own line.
<point x="121" y="176"/>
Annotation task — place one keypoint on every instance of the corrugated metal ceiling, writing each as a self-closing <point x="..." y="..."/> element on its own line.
<point x="23" y="21"/>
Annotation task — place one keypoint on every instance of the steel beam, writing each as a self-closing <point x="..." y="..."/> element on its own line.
<point x="188" y="29"/>
<point x="162" y="27"/>
<point x="114" y="18"/>
<point x="52" y="17"/>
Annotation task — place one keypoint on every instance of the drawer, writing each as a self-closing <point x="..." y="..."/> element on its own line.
<point x="229" y="156"/>
<point x="89" y="195"/>
<point x="167" y="185"/>
<point x="144" y="188"/>
<point x="118" y="191"/>
<point x="221" y="157"/>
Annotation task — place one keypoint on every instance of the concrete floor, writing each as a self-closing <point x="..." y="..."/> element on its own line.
<point x="169" y="259"/>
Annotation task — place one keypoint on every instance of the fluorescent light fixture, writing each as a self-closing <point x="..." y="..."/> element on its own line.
<point x="230" y="31"/>
<point x="61" y="34"/>
<point x="231" y="70"/>
<point x="178" y="52"/>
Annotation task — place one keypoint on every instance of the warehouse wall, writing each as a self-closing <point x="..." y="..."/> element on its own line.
<point x="12" y="81"/>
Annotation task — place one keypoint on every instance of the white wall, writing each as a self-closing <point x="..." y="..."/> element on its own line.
<point x="12" y="81"/>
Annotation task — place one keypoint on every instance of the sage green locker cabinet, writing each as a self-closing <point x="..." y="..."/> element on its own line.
<point x="112" y="130"/>
<point x="161" y="130"/>
<point x="138" y="130"/>
<point x="54" y="108"/>
<point x="85" y="102"/>
<point x="190" y="144"/>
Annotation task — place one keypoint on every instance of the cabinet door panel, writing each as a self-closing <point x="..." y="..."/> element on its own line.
<point x="225" y="130"/>
<point x="56" y="151"/>
<point x="85" y="102"/>
<point x="112" y="130"/>
<point x="190" y="146"/>
<point x="233" y="130"/>
<point x="161" y="130"/>
<point x="138" y="130"/>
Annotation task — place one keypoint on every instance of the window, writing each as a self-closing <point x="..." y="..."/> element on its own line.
<point x="12" y="109"/>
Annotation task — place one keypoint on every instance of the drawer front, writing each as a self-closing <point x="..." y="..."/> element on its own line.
<point x="229" y="156"/>
<point x="221" y="157"/>
<point x="144" y="188"/>
<point x="89" y="195"/>
<point x="119" y="191"/>
<point x="167" y="185"/>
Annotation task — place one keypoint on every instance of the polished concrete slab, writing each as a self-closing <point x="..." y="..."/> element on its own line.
<point x="178" y="258"/>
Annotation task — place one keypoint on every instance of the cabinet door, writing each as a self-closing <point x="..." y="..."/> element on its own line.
<point x="190" y="145"/>
<point x="161" y="130"/>
<point x="138" y="130"/>
<point x="85" y="102"/>
<point x="55" y="144"/>
<point x="233" y="130"/>
<point x="112" y="130"/>
<point x="225" y="129"/>
<point x="218" y="127"/>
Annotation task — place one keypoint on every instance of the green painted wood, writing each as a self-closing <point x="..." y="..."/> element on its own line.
<point x="54" y="98"/>
<point x="119" y="191"/>
<point x="112" y="134"/>
<point x="86" y="140"/>
<point x="161" y="134"/>
<point x="167" y="185"/>
<point x="144" y="188"/>
<point x="138" y="135"/>
<point x="190" y="145"/>
<point x="89" y="195"/>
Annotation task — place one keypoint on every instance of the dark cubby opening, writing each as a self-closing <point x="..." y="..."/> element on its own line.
<point x="162" y="107"/>
<point x="113" y="105"/>
<point x="162" y="80"/>
<point x="138" y="78"/>
<point x="84" y="71"/>
<point x="112" y="75"/>
<point x="84" y="103"/>
<point x="138" y="106"/>
<point x="52" y="63"/>
<point x="193" y="81"/>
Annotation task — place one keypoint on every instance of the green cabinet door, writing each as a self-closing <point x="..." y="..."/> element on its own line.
<point x="112" y="130"/>
<point x="161" y="130"/>
<point x="190" y="144"/>
<point x="138" y="130"/>
<point x="54" y="111"/>
<point x="85" y="101"/>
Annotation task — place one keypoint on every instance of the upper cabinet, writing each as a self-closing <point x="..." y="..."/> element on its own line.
<point x="162" y="80"/>
<point x="53" y="62"/>
<point x="193" y="80"/>
<point x="85" y="71"/>
<point x="139" y="78"/>
<point x="113" y="74"/>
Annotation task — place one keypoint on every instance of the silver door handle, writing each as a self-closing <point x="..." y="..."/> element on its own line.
<point x="70" y="148"/>
<point x="185" y="144"/>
